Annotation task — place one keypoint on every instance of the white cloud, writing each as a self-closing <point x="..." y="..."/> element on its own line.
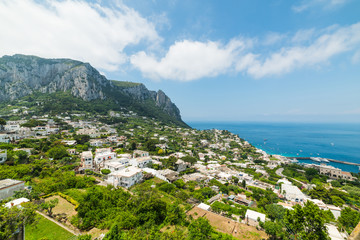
<point x="189" y="60"/>
<point x="72" y="29"/>
<point x="324" y="4"/>
<point x="320" y="50"/>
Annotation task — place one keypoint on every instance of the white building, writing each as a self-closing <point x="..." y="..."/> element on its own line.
<point x="96" y="142"/>
<point x="4" y="138"/>
<point x="114" y="166"/>
<point x="139" y="153"/>
<point x="141" y="162"/>
<point x="86" y="160"/>
<point x="291" y="192"/>
<point x="102" y="155"/>
<point x="9" y="186"/>
<point x="254" y="216"/>
<point x="181" y="165"/>
<point x="16" y="202"/>
<point x="126" y="177"/>
<point x="3" y="155"/>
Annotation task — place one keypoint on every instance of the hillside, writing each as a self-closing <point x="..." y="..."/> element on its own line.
<point x="67" y="85"/>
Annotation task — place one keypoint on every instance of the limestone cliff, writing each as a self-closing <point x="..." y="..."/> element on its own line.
<point x="22" y="75"/>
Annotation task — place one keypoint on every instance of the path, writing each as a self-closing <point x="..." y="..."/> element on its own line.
<point x="279" y="172"/>
<point x="54" y="221"/>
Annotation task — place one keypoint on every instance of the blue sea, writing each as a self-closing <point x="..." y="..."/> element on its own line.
<point x="334" y="141"/>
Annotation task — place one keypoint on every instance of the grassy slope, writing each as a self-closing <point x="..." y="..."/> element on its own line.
<point x="47" y="229"/>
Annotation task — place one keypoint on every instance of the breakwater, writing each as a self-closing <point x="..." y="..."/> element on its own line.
<point x="330" y="160"/>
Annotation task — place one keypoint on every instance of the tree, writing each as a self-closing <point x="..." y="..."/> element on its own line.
<point x="82" y="138"/>
<point x="150" y="145"/>
<point x="274" y="230"/>
<point x="311" y="173"/>
<point x="307" y="223"/>
<point x="349" y="219"/>
<point x="49" y="205"/>
<point x="105" y="171"/>
<point x="11" y="219"/>
<point x="243" y="183"/>
<point x="189" y="159"/>
<point x="84" y="237"/>
<point x="275" y="212"/>
<point x="58" y="152"/>
<point x="2" y="123"/>
<point x="200" y="229"/>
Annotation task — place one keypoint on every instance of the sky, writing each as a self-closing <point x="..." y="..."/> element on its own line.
<point x="234" y="60"/>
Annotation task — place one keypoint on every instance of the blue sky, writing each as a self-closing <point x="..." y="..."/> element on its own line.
<point x="279" y="60"/>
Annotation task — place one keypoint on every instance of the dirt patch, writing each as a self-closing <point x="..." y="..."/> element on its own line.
<point x="63" y="207"/>
<point x="226" y="225"/>
<point x="95" y="232"/>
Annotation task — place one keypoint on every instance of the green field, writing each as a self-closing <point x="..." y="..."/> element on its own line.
<point x="46" y="229"/>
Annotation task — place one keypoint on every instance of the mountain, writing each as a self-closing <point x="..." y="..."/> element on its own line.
<point x="76" y="85"/>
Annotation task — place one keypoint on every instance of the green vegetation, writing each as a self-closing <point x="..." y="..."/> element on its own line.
<point x="12" y="219"/>
<point x="45" y="229"/>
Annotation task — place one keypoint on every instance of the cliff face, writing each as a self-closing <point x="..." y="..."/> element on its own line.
<point x="22" y="75"/>
<point x="140" y="92"/>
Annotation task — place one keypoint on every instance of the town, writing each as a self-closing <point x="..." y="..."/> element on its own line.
<point x="61" y="163"/>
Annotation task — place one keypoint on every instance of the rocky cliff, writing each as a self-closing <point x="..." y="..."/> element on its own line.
<point x="22" y="75"/>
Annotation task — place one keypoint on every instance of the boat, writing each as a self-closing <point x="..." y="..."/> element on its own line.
<point x="324" y="160"/>
<point x="315" y="159"/>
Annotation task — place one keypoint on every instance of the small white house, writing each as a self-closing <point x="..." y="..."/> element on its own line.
<point x="86" y="160"/>
<point x="181" y="165"/>
<point x="126" y="177"/>
<point x="204" y="206"/>
<point x="139" y="153"/>
<point x="16" y="202"/>
<point x="103" y="154"/>
<point x="114" y="166"/>
<point x="3" y="155"/>
<point x="254" y="216"/>
<point x="140" y="162"/>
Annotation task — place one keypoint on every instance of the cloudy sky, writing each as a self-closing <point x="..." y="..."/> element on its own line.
<point x="234" y="60"/>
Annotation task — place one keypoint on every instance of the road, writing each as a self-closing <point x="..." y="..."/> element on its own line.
<point x="279" y="172"/>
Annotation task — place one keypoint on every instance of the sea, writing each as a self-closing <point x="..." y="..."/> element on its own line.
<point x="328" y="140"/>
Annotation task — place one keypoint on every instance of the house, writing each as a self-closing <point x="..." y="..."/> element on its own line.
<point x="141" y="162"/>
<point x="181" y="166"/>
<point x="4" y="138"/>
<point x="86" y="160"/>
<point x="169" y="174"/>
<point x="204" y="206"/>
<point x="96" y="142"/>
<point x="16" y="202"/>
<point x="27" y="150"/>
<point x="254" y="216"/>
<point x="291" y="192"/>
<point x="126" y="177"/>
<point x="102" y="154"/>
<point x="335" y="173"/>
<point x="69" y="142"/>
<point x="3" y="155"/>
<point x="9" y="186"/>
<point x="139" y="153"/>
<point x="114" y="166"/>
<point x="198" y="177"/>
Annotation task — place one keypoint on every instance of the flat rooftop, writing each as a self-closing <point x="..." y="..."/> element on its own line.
<point x="8" y="182"/>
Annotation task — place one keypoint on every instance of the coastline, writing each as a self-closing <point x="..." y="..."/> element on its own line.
<point x="287" y="140"/>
